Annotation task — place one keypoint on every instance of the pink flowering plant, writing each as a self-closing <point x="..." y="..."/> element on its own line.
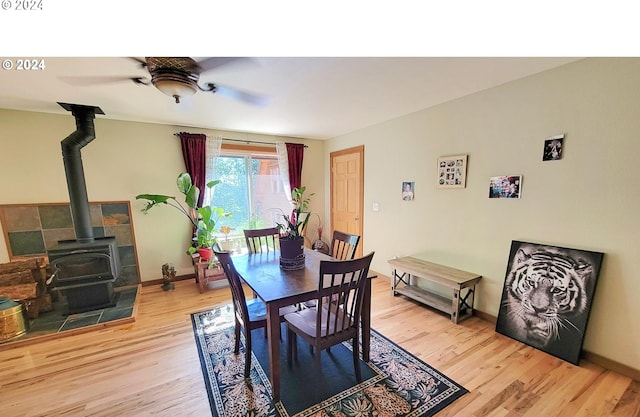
<point x="293" y="227"/>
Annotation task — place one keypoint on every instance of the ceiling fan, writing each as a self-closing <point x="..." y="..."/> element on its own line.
<point x="178" y="77"/>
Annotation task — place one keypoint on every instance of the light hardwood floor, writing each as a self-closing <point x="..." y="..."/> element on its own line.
<point x="151" y="367"/>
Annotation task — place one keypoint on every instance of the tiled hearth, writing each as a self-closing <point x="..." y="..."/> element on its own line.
<point x="32" y="229"/>
<point x="55" y="323"/>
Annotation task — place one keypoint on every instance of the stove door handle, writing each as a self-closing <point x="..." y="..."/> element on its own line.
<point x="50" y="280"/>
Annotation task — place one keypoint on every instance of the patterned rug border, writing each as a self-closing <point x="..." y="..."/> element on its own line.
<point x="429" y="408"/>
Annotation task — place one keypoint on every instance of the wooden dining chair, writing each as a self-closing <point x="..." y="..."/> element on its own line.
<point x="261" y="240"/>
<point x="344" y="245"/>
<point x="330" y="323"/>
<point x="249" y="314"/>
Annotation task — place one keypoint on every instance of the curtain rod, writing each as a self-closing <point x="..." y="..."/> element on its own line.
<point x="242" y="141"/>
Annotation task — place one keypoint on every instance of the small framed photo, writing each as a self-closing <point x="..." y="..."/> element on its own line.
<point x="407" y="190"/>
<point x="452" y="171"/>
<point x="507" y="186"/>
<point x="553" y="148"/>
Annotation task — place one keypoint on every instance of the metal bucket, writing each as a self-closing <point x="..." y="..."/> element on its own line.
<point x="12" y="321"/>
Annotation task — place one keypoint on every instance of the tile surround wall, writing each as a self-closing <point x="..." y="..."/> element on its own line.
<point x="32" y="229"/>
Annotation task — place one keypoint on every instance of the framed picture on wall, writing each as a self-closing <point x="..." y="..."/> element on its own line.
<point x="452" y="171"/>
<point x="547" y="297"/>
<point x="505" y="186"/>
<point x="553" y="148"/>
<point x="407" y="190"/>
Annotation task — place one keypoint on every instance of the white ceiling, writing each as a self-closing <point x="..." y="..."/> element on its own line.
<point x="316" y="98"/>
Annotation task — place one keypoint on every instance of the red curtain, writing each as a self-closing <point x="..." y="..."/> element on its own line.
<point x="194" y="152"/>
<point x="295" y="154"/>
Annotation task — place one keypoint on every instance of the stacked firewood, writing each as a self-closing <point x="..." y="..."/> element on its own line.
<point x="25" y="281"/>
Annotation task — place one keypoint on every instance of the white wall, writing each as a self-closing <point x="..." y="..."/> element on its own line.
<point x="124" y="160"/>
<point x="590" y="199"/>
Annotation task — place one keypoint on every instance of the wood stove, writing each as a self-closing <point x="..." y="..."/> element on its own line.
<point x="85" y="272"/>
<point x="83" y="269"/>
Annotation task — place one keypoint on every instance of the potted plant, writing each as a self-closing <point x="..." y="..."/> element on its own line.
<point x="208" y="218"/>
<point x="203" y="219"/>
<point x="292" y="230"/>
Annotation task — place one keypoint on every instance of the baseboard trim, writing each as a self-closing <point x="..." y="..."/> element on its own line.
<point x="486" y="317"/>
<point x="160" y="282"/>
<point x="611" y="365"/>
<point x="594" y="358"/>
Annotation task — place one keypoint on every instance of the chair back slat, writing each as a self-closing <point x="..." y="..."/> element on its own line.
<point x="340" y="296"/>
<point x="237" y="292"/>
<point x="344" y="245"/>
<point x="261" y="240"/>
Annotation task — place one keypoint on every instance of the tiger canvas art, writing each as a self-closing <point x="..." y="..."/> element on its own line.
<point x="547" y="296"/>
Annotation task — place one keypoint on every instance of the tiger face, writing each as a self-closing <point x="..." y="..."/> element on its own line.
<point x="545" y="291"/>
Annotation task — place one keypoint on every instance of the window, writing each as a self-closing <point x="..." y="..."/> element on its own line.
<point x="250" y="188"/>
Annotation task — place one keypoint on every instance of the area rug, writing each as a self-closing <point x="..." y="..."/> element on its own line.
<point x="394" y="382"/>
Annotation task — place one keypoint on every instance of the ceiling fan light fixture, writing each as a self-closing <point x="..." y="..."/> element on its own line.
<point x="175" y="87"/>
<point x="178" y="77"/>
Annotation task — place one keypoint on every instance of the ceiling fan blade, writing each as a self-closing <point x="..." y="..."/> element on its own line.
<point x="208" y="64"/>
<point x="141" y="61"/>
<point x="244" y="96"/>
<point x="83" y="81"/>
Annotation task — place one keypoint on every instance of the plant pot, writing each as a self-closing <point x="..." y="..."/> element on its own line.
<point x="292" y="248"/>
<point x="227" y="245"/>
<point x="292" y="253"/>
<point x="205" y="253"/>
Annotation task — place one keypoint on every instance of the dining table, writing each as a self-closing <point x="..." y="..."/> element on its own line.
<point x="278" y="287"/>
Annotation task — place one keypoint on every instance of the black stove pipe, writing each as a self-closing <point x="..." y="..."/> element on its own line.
<point x="71" y="146"/>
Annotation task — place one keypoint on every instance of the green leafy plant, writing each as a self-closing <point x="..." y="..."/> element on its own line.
<point x="203" y="219"/>
<point x="208" y="218"/>
<point x="293" y="227"/>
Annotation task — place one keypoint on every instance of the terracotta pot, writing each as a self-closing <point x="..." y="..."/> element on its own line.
<point x="205" y="253"/>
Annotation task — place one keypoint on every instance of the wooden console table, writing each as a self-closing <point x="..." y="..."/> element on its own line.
<point x="204" y="274"/>
<point x="462" y="283"/>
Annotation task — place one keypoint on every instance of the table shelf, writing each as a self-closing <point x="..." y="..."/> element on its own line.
<point x="425" y="297"/>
